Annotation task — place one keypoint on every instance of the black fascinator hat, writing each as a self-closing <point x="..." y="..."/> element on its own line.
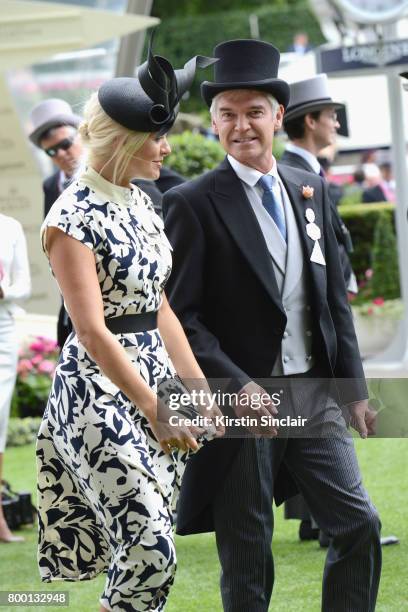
<point x="150" y="101"/>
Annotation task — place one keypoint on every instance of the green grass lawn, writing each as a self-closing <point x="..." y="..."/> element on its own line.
<point x="298" y="565"/>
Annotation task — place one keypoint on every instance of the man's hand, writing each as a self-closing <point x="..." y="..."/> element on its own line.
<point x="255" y="402"/>
<point x="363" y="418"/>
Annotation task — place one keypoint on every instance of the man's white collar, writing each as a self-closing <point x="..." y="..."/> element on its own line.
<point x="307" y="156"/>
<point x="249" y="175"/>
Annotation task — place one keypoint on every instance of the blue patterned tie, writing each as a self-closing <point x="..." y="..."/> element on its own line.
<point x="270" y="203"/>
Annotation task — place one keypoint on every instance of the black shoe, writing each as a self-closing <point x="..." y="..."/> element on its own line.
<point x="307" y="532"/>
<point x="324" y="540"/>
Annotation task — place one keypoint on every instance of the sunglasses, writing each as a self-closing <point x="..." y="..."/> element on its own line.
<point x="63" y="144"/>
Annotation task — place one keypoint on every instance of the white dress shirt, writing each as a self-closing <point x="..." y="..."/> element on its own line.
<point x="250" y="177"/>
<point x="14" y="267"/>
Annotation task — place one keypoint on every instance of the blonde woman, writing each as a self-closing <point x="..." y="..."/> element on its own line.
<point x="108" y="465"/>
<point x="15" y="285"/>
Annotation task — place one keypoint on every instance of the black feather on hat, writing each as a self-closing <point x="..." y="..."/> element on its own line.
<point x="150" y="101"/>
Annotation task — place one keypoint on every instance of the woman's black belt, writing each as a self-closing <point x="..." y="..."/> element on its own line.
<point x="132" y="323"/>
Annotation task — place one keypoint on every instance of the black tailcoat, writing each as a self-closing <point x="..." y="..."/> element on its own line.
<point x="52" y="191"/>
<point x="224" y="291"/>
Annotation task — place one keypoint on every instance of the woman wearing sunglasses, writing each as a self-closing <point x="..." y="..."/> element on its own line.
<point x="109" y="462"/>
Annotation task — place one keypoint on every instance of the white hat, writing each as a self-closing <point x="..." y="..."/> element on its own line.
<point x="51" y="113"/>
<point x="309" y="95"/>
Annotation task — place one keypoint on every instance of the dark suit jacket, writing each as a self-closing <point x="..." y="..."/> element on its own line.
<point x="374" y="194"/>
<point x="223" y="289"/>
<point x="51" y="191"/>
<point x="168" y="179"/>
<point x="342" y="233"/>
<point x="155" y="189"/>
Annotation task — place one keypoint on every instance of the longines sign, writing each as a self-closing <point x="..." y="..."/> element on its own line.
<point x="375" y="55"/>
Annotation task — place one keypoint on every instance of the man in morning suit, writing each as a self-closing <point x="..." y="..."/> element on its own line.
<point x="261" y="294"/>
<point x="54" y="131"/>
<point x="311" y="124"/>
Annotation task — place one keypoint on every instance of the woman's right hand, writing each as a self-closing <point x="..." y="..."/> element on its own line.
<point x="170" y="431"/>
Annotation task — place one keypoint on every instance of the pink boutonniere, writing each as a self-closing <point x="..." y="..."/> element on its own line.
<point x="307" y="192"/>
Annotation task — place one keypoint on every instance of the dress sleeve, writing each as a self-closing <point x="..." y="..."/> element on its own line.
<point x="72" y="220"/>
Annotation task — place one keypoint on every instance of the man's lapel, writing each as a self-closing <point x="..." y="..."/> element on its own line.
<point x="300" y="204"/>
<point x="231" y="203"/>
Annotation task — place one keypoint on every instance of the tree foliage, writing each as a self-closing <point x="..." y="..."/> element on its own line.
<point x="173" y="8"/>
<point x="181" y="37"/>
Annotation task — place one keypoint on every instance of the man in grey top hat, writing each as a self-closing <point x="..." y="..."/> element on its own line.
<point x="311" y="124"/>
<point x="54" y="131"/>
<point x="258" y="287"/>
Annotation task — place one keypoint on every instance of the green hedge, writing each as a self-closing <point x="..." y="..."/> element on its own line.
<point x="22" y="431"/>
<point x="180" y="38"/>
<point x="361" y="220"/>
<point x="193" y="154"/>
<point x="385" y="280"/>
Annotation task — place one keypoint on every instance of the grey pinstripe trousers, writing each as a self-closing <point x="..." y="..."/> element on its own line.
<point x="327" y="474"/>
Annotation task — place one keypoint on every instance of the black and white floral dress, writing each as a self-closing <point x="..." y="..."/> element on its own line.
<point x="105" y="487"/>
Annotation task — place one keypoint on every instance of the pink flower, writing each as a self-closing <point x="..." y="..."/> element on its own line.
<point x="370" y="311"/>
<point x="50" y="346"/>
<point x="24" y="366"/>
<point x="369" y="273"/>
<point x="307" y="192"/>
<point x="37" y="359"/>
<point x="379" y="301"/>
<point x="46" y="367"/>
<point x="37" y="346"/>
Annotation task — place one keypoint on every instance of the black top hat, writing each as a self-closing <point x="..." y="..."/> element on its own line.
<point x="150" y="102"/>
<point x="246" y="64"/>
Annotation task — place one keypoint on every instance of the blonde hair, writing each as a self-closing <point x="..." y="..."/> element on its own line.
<point x="107" y="140"/>
<point x="272" y="101"/>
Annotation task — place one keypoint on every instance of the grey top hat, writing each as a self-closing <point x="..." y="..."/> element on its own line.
<point x="309" y="95"/>
<point x="51" y="113"/>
